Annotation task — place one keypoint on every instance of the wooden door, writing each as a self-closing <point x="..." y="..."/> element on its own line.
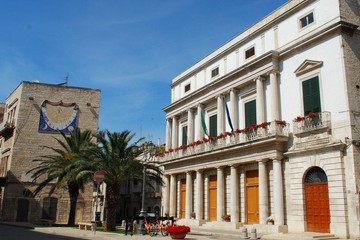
<point x="317" y="207"/>
<point x="252" y="197"/>
<point x="22" y="210"/>
<point x="212" y="197"/>
<point x="182" y="197"/>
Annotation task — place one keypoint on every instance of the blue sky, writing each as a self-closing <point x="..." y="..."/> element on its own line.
<point x="129" y="49"/>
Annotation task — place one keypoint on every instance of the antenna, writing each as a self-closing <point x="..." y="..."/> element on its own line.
<point x="66" y="80"/>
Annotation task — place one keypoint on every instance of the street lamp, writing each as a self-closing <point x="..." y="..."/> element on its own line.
<point x="148" y="151"/>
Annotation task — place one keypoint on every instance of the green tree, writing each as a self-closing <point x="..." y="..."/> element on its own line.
<point x="120" y="163"/>
<point x="62" y="168"/>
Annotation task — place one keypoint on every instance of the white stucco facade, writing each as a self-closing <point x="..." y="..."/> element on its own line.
<point x="292" y="92"/>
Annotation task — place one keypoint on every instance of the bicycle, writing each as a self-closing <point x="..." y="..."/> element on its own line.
<point x="151" y="227"/>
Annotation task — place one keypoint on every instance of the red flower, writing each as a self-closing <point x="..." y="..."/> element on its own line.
<point x="298" y="119"/>
<point x="178" y="229"/>
<point x="279" y="122"/>
<point x="312" y="115"/>
<point x="170" y="150"/>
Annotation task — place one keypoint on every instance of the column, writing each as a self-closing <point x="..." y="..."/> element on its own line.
<point x="190" y="130"/>
<point x="175" y="130"/>
<point x="275" y="113"/>
<point x="220" y="194"/>
<point x="220" y="114"/>
<point x="168" y="133"/>
<point x="278" y="193"/>
<point x="200" y="195"/>
<point x="166" y="194"/>
<point x="189" y="195"/>
<point x="234" y="112"/>
<point x="234" y="196"/>
<point x="260" y="102"/>
<point x="172" y="211"/>
<point x="242" y="195"/>
<point x="263" y="192"/>
<point x="199" y="130"/>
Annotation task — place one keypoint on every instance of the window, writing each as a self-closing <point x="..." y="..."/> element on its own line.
<point x="311" y="95"/>
<point x="250" y="113"/>
<point x="49" y="208"/>
<point x="3" y="166"/>
<point x="187" y="87"/>
<point x="184" y="135"/>
<point x="308" y="19"/>
<point x="213" y="125"/>
<point x="250" y="52"/>
<point x="214" y="72"/>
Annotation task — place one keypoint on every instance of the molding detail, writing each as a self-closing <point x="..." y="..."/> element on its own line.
<point x="307" y="66"/>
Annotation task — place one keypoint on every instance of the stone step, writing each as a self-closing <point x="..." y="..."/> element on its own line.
<point x="325" y="237"/>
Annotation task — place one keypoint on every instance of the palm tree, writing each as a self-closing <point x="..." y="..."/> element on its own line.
<point x="116" y="158"/>
<point x="63" y="167"/>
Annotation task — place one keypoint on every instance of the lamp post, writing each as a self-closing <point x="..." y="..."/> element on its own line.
<point x="148" y="151"/>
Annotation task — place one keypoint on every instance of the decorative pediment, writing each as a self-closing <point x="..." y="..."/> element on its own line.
<point x="307" y="66"/>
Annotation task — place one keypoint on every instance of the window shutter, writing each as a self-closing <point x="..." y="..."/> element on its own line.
<point x="311" y="95"/>
<point x="213" y="125"/>
<point x="250" y="113"/>
<point x="184" y="135"/>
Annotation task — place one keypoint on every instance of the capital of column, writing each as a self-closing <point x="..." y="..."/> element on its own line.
<point x="259" y="78"/>
<point x="273" y="71"/>
<point x="190" y="110"/>
<point x="175" y="117"/>
<point x="200" y="105"/>
<point x="233" y="90"/>
<point x="221" y="95"/>
<point x="263" y="160"/>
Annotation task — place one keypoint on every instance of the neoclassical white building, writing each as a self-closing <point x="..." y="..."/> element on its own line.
<point x="266" y="127"/>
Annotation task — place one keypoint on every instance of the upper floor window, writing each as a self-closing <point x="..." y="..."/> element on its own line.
<point x="250" y="52"/>
<point x="187" y="87"/>
<point x="3" y="166"/>
<point x="213" y="125"/>
<point x="250" y="113"/>
<point x="311" y="95"/>
<point x="215" y="72"/>
<point x="307" y="20"/>
<point x="184" y="135"/>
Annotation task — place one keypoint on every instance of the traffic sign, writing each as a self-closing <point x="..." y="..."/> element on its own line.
<point x="99" y="176"/>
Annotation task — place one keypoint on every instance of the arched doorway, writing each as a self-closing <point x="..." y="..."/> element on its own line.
<point x="317" y="211"/>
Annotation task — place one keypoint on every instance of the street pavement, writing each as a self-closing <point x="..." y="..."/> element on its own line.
<point x="17" y="231"/>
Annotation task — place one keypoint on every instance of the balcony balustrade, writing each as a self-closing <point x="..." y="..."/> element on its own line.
<point x="253" y="133"/>
<point x="312" y="122"/>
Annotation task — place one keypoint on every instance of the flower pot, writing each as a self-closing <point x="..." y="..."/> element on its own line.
<point x="178" y="235"/>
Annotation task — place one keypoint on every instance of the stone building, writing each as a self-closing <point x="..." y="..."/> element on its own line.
<point x="34" y="114"/>
<point x="265" y="129"/>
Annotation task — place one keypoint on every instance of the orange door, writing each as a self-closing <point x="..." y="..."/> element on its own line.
<point x="317" y="207"/>
<point x="252" y="197"/>
<point x="182" y="198"/>
<point x="212" y="197"/>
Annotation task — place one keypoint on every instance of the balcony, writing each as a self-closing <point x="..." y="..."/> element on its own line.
<point x="227" y="139"/>
<point x="7" y="128"/>
<point x="313" y="122"/>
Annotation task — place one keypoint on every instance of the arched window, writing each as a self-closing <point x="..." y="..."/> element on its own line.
<point x="316" y="175"/>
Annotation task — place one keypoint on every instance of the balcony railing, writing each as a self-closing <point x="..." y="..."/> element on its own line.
<point x="254" y="133"/>
<point x="6" y="127"/>
<point x="312" y="122"/>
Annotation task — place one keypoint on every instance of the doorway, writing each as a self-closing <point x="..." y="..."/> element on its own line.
<point x="22" y="210"/>
<point x="212" y="197"/>
<point x="182" y="197"/>
<point x="317" y="210"/>
<point x="252" y="197"/>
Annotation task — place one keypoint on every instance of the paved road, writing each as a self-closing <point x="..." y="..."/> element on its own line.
<point x="62" y="233"/>
<point x="16" y="233"/>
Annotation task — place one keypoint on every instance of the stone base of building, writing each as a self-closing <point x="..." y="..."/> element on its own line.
<point x="263" y="229"/>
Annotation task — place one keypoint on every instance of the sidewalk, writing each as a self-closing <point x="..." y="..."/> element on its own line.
<point x="195" y="234"/>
